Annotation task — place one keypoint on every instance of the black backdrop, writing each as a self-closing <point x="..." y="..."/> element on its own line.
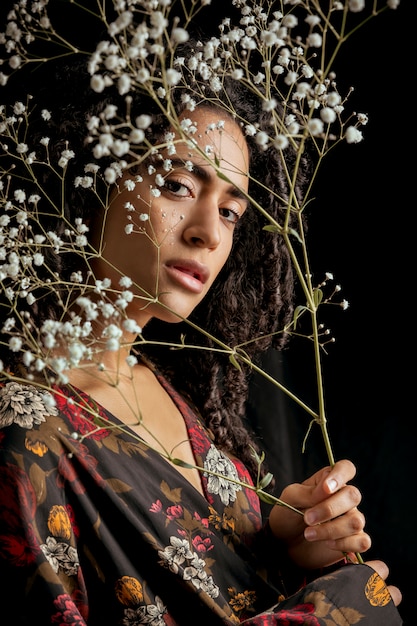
<point x="361" y="230"/>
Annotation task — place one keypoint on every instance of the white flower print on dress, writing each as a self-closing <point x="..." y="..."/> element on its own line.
<point x="149" y="614"/>
<point x="23" y="405"/>
<point x="192" y="568"/>
<point x="221" y="465"/>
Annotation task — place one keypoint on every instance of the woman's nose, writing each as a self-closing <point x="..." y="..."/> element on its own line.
<point x="202" y="227"/>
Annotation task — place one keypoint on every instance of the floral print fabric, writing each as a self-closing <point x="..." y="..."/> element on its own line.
<point x="98" y="529"/>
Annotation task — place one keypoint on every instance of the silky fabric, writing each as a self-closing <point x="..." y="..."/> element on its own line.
<point x="96" y="528"/>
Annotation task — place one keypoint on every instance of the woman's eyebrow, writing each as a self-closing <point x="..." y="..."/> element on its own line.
<point x="202" y="173"/>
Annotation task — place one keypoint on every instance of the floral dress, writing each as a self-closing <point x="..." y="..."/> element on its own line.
<point x="97" y="529"/>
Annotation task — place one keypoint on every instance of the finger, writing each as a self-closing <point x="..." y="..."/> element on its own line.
<point x="395" y="594"/>
<point x="380" y="567"/>
<point x="336" y="477"/>
<point x="351" y="523"/>
<point x="359" y="543"/>
<point x="327" y="481"/>
<point x="346" y="499"/>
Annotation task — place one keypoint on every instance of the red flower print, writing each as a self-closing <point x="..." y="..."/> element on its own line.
<point x="67" y="613"/>
<point x="82" y="419"/>
<point x="253" y="500"/>
<point x="199" y="439"/>
<point x="156" y="507"/>
<point x="20" y="549"/>
<point x="17" y="498"/>
<point x="80" y="600"/>
<point x="203" y="520"/>
<point x="174" y="512"/>
<point x="73" y="521"/>
<point x="67" y="471"/>
<point x="202" y="545"/>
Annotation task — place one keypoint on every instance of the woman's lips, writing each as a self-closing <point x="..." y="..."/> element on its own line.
<point x="189" y="274"/>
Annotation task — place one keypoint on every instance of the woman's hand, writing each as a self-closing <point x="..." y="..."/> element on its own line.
<point x="331" y="525"/>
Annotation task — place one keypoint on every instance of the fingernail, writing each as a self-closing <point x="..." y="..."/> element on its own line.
<point x="332" y="484"/>
<point x="310" y="518"/>
<point x="310" y="533"/>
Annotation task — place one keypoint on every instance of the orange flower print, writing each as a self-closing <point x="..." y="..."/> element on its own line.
<point x="376" y="591"/>
<point x="241" y="601"/>
<point x="59" y="523"/>
<point x="38" y="448"/>
<point x="129" y="591"/>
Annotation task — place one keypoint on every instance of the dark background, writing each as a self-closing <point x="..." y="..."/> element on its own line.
<point x="361" y="230"/>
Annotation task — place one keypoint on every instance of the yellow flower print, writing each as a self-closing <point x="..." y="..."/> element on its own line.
<point x="36" y="447"/>
<point x="224" y="521"/>
<point x="242" y="600"/>
<point x="59" y="523"/>
<point x="376" y="591"/>
<point x="129" y="591"/>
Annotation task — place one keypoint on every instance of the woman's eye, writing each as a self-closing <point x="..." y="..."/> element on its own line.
<point x="230" y="215"/>
<point x="177" y="188"/>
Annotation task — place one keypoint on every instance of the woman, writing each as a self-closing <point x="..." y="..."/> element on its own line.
<point x="126" y="489"/>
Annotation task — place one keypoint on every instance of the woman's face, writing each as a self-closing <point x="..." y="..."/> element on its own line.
<point x="181" y="230"/>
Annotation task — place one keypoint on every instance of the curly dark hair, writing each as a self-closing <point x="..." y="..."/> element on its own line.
<point x="251" y="298"/>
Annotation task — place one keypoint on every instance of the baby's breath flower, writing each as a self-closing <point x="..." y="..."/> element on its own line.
<point x="38" y="259"/>
<point x="125" y="281"/>
<point x="179" y="35"/>
<point x="21" y="148"/>
<point x="76" y="277"/>
<point x="173" y="77"/>
<point x="315" y="40"/>
<point x="353" y="135"/>
<point x="65" y="157"/>
<point x="136" y="136"/>
<point x="15" y="343"/>
<point x="269" y="105"/>
<point x="97" y="83"/>
<point x="328" y="115"/>
<point x="27" y="358"/>
<point x="81" y="241"/>
<point x="262" y="139"/>
<point x="131" y="360"/>
<point x="112" y="344"/>
<point x="131" y="326"/>
<point x="356" y="5"/>
<point x="143" y="75"/>
<point x="237" y="74"/>
<point x="83" y="181"/>
<point x="362" y="119"/>
<point x="315" y="127"/>
<point x="15" y="61"/>
<point x="120" y="147"/>
<point x="19" y="196"/>
<point x="110" y="175"/>
<point x="281" y="142"/>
